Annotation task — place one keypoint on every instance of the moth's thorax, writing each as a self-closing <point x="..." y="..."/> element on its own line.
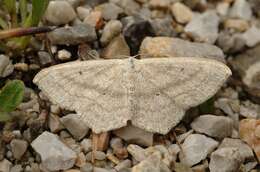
<point x="131" y="81"/>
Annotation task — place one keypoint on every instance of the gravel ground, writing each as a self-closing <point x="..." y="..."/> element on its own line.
<point x="220" y="135"/>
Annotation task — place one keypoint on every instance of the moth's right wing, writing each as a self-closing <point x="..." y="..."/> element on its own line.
<point x="95" y="89"/>
<point x="166" y="87"/>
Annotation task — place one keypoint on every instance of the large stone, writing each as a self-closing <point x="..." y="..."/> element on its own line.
<point x="18" y="148"/>
<point x="132" y="134"/>
<point x="195" y="148"/>
<point x="6" y="66"/>
<point x="55" y="155"/>
<point x="59" y="12"/>
<point x="244" y="150"/>
<point x="214" y="126"/>
<point x="204" y="27"/>
<point x="175" y="47"/>
<point x="75" y="125"/>
<point x="81" y="33"/>
<point x="241" y="9"/>
<point x="225" y="160"/>
<point x="249" y="131"/>
<point x="5" y="165"/>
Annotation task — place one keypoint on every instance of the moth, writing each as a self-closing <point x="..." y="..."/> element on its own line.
<point x="152" y="93"/>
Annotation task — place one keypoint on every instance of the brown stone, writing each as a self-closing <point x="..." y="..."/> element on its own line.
<point x="249" y="132"/>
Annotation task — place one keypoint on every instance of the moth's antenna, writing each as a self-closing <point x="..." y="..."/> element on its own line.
<point x="133" y="56"/>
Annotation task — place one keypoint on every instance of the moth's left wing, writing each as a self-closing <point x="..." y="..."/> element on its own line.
<point x="95" y="89"/>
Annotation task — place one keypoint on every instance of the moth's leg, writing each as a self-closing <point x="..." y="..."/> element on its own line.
<point x="94" y="146"/>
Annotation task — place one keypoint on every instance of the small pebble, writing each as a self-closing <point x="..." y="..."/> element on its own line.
<point x="64" y="55"/>
<point x="98" y="156"/>
<point x="59" y="12"/>
<point x="111" y="30"/>
<point x="204" y="27"/>
<point x="6" y="66"/>
<point x="181" y="12"/>
<point x="18" y="148"/>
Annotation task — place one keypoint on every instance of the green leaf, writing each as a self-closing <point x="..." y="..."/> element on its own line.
<point x="3" y="24"/>
<point x="11" y="95"/>
<point x="4" y="116"/>
<point x="23" y="9"/>
<point x="11" y="8"/>
<point x="38" y="10"/>
<point x="10" y="5"/>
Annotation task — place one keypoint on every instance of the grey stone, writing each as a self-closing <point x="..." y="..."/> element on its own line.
<point x="175" y="47"/>
<point x="6" y="66"/>
<point x="241" y="9"/>
<point x="55" y="155"/>
<point x="81" y="33"/>
<point x="110" y="11"/>
<point x="83" y="12"/>
<point x="59" y="12"/>
<point x="166" y="159"/>
<point x="130" y="7"/>
<point x="5" y="165"/>
<point x="195" y="148"/>
<point x="99" y="155"/>
<point x="252" y="36"/>
<point x="116" y="143"/>
<point x="88" y="167"/>
<point x="230" y="42"/>
<point x="18" y="148"/>
<point x="163" y="27"/>
<point x="86" y="145"/>
<point x="151" y="164"/>
<point x="125" y="164"/>
<point x="98" y="169"/>
<point x="214" y="126"/>
<point x="246" y="65"/>
<point x="17" y="168"/>
<point x="44" y="58"/>
<point x="75" y="125"/>
<point x="132" y="134"/>
<point x="137" y="152"/>
<point x="54" y="123"/>
<point x="249" y="110"/>
<point x="225" y="160"/>
<point x="244" y="150"/>
<point x="111" y="30"/>
<point x="204" y="27"/>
